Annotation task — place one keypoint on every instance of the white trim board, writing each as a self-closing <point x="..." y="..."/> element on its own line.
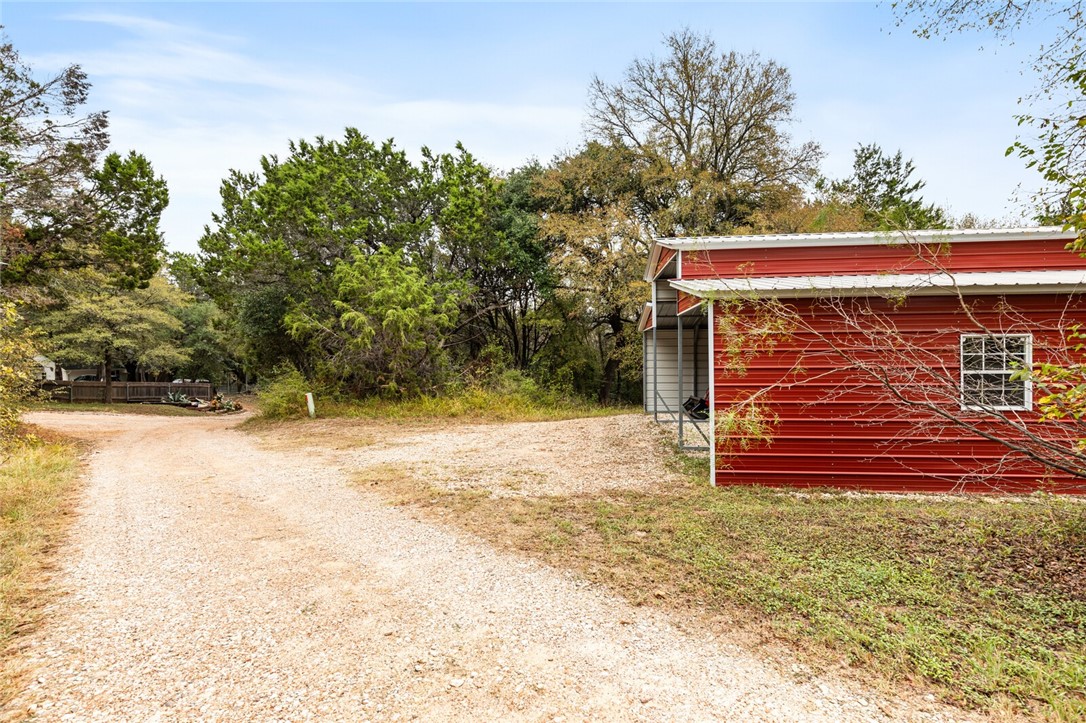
<point x="940" y="284"/>
<point x="866" y="238"/>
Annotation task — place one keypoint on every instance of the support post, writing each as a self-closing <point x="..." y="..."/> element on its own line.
<point x="655" y="366"/>
<point x="644" y="373"/>
<point x="680" y="408"/>
<point x="712" y="396"/>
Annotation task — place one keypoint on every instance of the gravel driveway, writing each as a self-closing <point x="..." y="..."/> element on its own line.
<point x="211" y="578"/>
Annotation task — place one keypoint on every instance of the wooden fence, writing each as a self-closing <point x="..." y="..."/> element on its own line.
<point x="123" y="391"/>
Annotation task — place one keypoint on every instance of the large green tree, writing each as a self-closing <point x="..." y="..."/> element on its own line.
<point x="386" y="330"/>
<point x="129" y="199"/>
<point x="204" y="342"/>
<point x="95" y="324"/>
<point x="212" y="347"/>
<point x="295" y="219"/>
<point x="282" y="232"/>
<point x="601" y="243"/>
<point x="47" y="149"/>
<point x="884" y="189"/>
<point x="60" y="208"/>
<point x="488" y="236"/>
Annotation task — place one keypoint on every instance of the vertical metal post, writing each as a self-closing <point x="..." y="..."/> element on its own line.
<point x="694" y="345"/>
<point x="712" y="396"/>
<point x="644" y="373"/>
<point x="679" y="335"/>
<point x="655" y="366"/>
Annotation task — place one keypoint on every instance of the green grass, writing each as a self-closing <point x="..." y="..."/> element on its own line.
<point x="163" y="410"/>
<point x="36" y="482"/>
<point x="981" y="600"/>
<point x="472" y="405"/>
<point x="985" y="600"/>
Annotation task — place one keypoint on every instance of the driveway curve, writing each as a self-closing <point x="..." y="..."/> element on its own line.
<point x="210" y="578"/>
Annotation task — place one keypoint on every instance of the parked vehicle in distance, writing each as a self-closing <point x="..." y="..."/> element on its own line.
<point x="86" y="378"/>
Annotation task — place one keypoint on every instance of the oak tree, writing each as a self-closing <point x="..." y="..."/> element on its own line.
<point x="716" y="119"/>
<point x="96" y="324"/>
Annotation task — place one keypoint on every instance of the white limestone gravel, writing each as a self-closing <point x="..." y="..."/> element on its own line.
<point x="209" y="578"/>
<point x="570" y="457"/>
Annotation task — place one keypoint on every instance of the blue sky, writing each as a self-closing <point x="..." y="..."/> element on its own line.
<point x="200" y="88"/>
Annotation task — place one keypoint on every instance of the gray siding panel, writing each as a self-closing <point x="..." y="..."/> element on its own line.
<point x="667" y="371"/>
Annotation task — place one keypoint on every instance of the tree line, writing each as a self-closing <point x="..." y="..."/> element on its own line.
<point x="373" y="274"/>
<point x="351" y="263"/>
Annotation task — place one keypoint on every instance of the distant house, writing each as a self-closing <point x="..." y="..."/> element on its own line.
<point x="880" y="339"/>
<point x="120" y="374"/>
<point x="48" y="371"/>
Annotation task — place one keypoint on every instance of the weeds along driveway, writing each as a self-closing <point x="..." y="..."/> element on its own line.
<point x="211" y="576"/>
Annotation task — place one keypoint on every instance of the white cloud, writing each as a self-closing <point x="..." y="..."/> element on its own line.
<point x="197" y="104"/>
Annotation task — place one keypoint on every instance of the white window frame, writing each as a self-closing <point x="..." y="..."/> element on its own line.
<point x="1028" y="404"/>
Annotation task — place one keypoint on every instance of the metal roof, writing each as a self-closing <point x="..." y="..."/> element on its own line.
<point x="646" y="315"/>
<point x="852" y="238"/>
<point x="988" y="282"/>
<point x="865" y="238"/>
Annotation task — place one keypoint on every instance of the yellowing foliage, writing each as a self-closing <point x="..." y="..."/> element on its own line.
<point x="17" y="370"/>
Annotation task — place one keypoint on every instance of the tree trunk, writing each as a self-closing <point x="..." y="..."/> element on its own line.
<point x="610" y="366"/>
<point x="109" y="379"/>
<point x="610" y="370"/>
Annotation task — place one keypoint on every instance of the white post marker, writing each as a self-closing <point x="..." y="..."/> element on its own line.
<point x="309" y="403"/>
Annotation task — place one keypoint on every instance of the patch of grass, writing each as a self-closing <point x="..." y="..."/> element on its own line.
<point x="507" y="396"/>
<point x="981" y="600"/>
<point x="36" y="484"/>
<point x="471" y="405"/>
<point x="474" y="405"/>
<point x="162" y="410"/>
<point x="984" y="600"/>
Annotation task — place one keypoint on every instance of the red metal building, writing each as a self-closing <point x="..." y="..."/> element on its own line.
<point x="866" y="360"/>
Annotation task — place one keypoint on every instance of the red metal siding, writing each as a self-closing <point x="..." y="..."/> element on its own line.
<point x="665" y="258"/>
<point x="1044" y="255"/>
<point x="838" y="427"/>
<point x="687" y="302"/>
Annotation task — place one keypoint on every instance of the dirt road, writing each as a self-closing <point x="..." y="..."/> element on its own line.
<point x="210" y="577"/>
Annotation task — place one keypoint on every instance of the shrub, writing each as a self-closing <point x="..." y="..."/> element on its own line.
<point x="517" y="385"/>
<point x="385" y="333"/>
<point x="17" y="371"/>
<point x="283" y="395"/>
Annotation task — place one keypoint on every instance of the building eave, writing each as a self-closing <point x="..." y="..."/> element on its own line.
<point x="861" y="238"/>
<point x="937" y="284"/>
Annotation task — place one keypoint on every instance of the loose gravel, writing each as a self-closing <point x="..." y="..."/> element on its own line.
<point x="576" y="456"/>
<point x="210" y="578"/>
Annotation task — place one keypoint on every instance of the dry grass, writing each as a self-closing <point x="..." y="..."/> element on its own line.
<point x="981" y="602"/>
<point x="470" y="405"/>
<point x="160" y="410"/>
<point x="473" y="405"/>
<point x="37" y="481"/>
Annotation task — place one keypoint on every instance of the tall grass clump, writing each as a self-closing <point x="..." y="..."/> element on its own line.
<point x="501" y="396"/>
<point x="36" y="480"/>
<point x="283" y="395"/>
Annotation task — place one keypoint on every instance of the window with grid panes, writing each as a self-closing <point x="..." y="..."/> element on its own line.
<point x="989" y="361"/>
